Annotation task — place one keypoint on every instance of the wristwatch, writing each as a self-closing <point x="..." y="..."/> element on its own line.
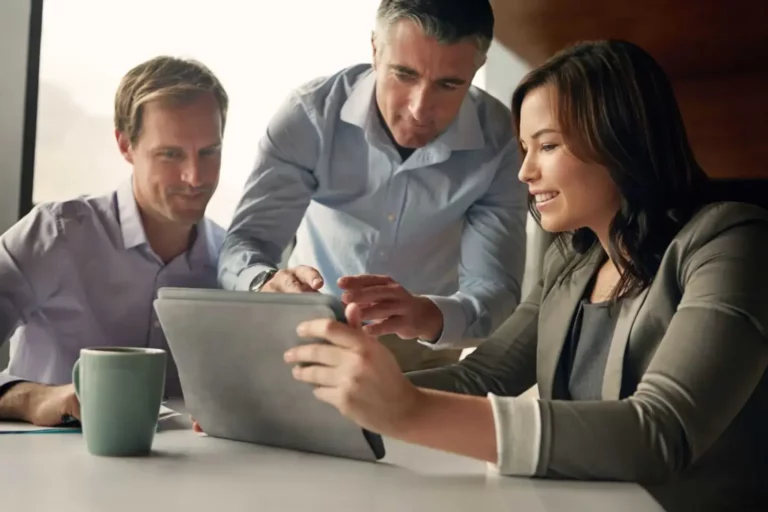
<point x="261" y="279"/>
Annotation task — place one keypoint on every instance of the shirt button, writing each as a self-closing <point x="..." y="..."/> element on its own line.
<point x="391" y="218"/>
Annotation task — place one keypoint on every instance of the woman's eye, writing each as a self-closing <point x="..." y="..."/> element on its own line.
<point x="548" y="147"/>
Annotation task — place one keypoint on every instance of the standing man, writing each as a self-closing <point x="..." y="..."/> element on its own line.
<point x="398" y="181"/>
<point x="84" y="272"/>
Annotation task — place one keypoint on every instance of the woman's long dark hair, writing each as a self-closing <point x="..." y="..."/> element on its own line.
<point x="616" y="107"/>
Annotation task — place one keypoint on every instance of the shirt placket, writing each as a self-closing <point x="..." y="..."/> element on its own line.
<point x="387" y="224"/>
<point x="392" y="222"/>
<point x="156" y="339"/>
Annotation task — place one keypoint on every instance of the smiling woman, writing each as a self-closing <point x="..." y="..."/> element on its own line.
<point x="566" y="193"/>
<point x="624" y="179"/>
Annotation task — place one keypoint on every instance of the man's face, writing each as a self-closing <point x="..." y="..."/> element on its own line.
<point x="176" y="159"/>
<point x="420" y="83"/>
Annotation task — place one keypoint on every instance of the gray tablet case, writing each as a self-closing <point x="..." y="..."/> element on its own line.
<point x="228" y="347"/>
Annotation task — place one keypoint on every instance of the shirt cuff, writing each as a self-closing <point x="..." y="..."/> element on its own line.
<point x="247" y="275"/>
<point x="518" y="434"/>
<point x="454" y="323"/>
<point x="7" y="382"/>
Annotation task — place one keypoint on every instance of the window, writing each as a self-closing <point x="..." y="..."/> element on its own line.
<point x="259" y="50"/>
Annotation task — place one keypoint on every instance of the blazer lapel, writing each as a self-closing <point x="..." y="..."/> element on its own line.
<point x="614" y="366"/>
<point x="555" y="317"/>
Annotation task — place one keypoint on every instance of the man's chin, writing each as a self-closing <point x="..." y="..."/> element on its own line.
<point x="188" y="212"/>
<point x="187" y="217"/>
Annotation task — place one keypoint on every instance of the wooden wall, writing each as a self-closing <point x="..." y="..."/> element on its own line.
<point x="716" y="53"/>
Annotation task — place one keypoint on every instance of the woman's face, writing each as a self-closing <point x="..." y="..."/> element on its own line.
<point x="569" y="193"/>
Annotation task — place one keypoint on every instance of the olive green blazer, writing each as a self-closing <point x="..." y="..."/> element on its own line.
<point x="684" y="406"/>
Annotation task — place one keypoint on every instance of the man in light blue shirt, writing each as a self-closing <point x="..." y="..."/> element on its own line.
<point x="399" y="184"/>
<point x="84" y="272"/>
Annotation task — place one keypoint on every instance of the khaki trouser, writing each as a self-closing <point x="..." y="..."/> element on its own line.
<point x="412" y="355"/>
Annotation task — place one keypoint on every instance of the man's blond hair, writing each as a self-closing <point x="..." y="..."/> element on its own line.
<point x="167" y="79"/>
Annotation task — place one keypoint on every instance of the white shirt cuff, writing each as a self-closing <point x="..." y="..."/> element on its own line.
<point x="518" y="434"/>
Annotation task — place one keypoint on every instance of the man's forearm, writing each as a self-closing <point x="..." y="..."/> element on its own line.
<point x="15" y="402"/>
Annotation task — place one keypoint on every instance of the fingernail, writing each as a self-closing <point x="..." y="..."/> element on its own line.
<point x="288" y="356"/>
<point x="317" y="283"/>
<point x="300" y="329"/>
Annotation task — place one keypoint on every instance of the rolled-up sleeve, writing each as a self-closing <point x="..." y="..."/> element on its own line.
<point x="28" y="271"/>
<point x="518" y="434"/>
<point x="275" y="198"/>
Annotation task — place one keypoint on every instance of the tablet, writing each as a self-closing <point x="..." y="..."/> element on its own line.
<point x="228" y="348"/>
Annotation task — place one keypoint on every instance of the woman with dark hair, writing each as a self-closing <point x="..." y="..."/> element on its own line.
<point x="646" y="334"/>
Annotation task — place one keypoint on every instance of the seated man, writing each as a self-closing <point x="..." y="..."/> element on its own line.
<point x="401" y="171"/>
<point x="84" y="272"/>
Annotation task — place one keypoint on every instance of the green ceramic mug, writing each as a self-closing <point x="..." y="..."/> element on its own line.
<point x="120" y="391"/>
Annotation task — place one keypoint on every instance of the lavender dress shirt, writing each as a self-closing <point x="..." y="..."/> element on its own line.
<point x="80" y="273"/>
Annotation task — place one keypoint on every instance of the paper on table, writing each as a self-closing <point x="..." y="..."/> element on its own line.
<point x="18" y="427"/>
<point x="166" y="413"/>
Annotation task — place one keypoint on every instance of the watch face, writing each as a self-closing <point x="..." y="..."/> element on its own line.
<point x="261" y="279"/>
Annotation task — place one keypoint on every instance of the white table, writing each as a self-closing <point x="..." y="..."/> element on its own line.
<point x="189" y="472"/>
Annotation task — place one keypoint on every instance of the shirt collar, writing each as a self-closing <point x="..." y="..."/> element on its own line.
<point x="130" y="219"/>
<point x="202" y="252"/>
<point x="358" y="107"/>
<point x="465" y="133"/>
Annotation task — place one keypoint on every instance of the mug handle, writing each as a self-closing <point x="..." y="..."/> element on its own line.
<point x="76" y="378"/>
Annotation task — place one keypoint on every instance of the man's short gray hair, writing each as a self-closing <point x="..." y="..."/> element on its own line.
<point x="448" y="21"/>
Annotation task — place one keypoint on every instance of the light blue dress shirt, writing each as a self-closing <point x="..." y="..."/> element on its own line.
<point x="449" y="222"/>
<point x="80" y="273"/>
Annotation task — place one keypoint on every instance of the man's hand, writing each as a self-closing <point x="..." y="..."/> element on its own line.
<point x="41" y="405"/>
<point x="294" y="280"/>
<point x="355" y="373"/>
<point x="390" y="308"/>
